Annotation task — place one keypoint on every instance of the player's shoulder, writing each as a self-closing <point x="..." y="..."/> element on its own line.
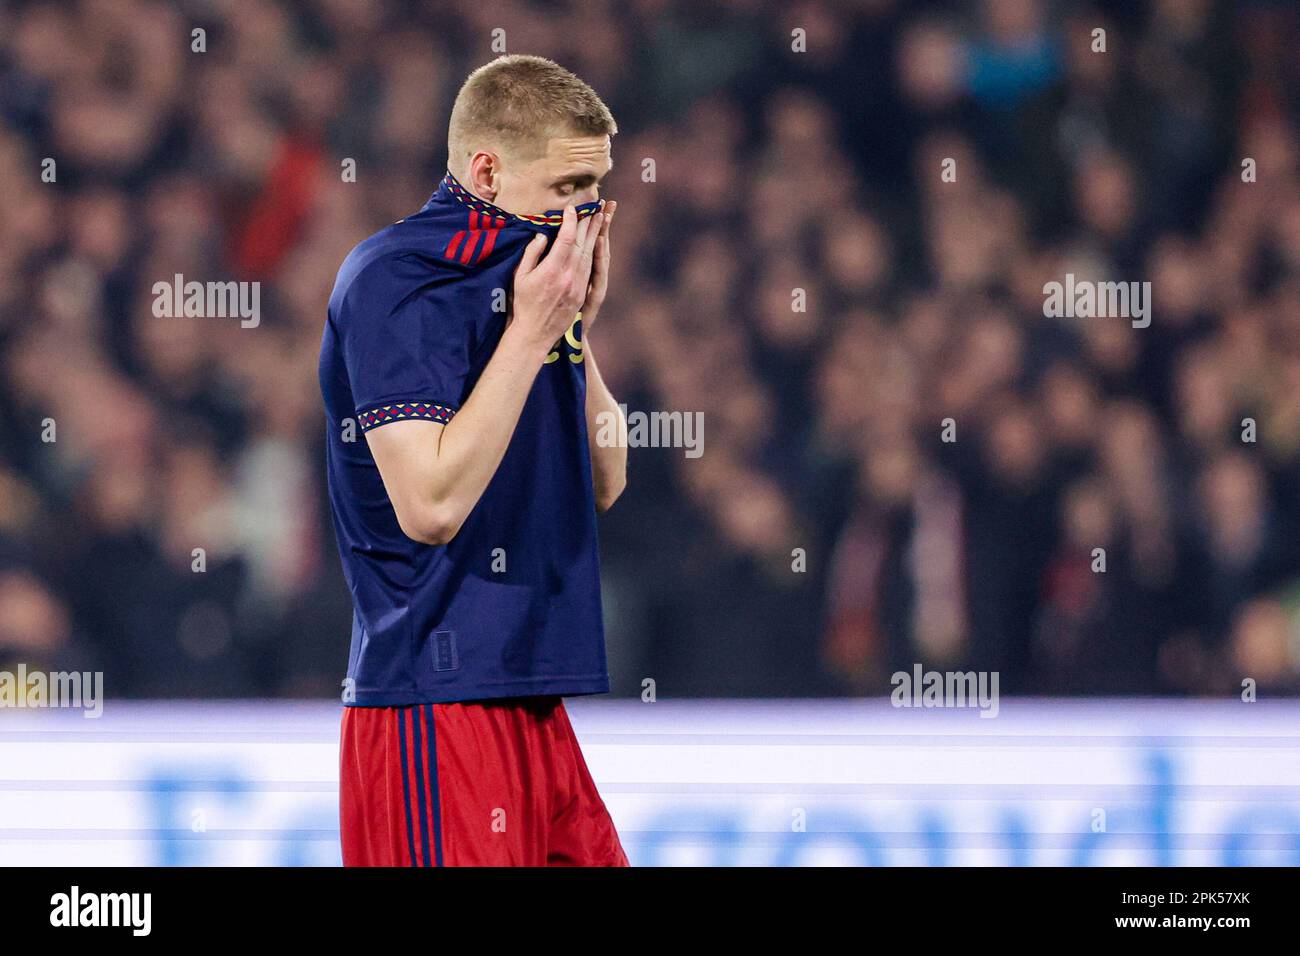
<point x="394" y="261"/>
<point x="397" y="252"/>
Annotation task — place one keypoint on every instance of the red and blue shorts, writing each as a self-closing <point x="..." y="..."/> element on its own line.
<point x="487" y="783"/>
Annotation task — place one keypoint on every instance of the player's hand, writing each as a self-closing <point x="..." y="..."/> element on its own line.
<point x="599" y="283"/>
<point x="548" y="292"/>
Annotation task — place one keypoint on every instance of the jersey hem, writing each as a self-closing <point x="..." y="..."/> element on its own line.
<point x="550" y="687"/>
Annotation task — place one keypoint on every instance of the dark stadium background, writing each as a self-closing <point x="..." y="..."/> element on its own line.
<point x="774" y="170"/>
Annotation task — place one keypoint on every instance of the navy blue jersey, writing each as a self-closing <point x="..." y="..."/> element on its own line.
<point x="511" y="605"/>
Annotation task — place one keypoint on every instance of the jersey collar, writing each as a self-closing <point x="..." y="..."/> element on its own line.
<point x="450" y="190"/>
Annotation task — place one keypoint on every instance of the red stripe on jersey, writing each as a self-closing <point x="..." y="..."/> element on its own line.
<point x="471" y="244"/>
<point x="491" y="239"/>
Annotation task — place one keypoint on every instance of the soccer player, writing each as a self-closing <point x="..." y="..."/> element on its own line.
<point x="464" y="498"/>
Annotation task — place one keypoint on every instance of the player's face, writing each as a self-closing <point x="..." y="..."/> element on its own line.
<point x="567" y="174"/>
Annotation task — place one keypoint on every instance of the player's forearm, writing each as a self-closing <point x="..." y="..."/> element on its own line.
<point x="473" y="443"/>
<point x="608" y="459"/>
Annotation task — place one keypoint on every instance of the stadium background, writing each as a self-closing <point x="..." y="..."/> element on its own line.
<point x="774" y="170"/>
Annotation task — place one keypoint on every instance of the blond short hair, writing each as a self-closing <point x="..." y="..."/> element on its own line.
<point x="519" y="102"/>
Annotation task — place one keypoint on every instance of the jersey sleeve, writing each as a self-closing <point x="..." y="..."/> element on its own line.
<point x="405" y="344"/>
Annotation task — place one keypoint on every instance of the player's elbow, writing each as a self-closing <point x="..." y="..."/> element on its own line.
<point x="434" y="525"/>
<point x="609" y="491"/>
